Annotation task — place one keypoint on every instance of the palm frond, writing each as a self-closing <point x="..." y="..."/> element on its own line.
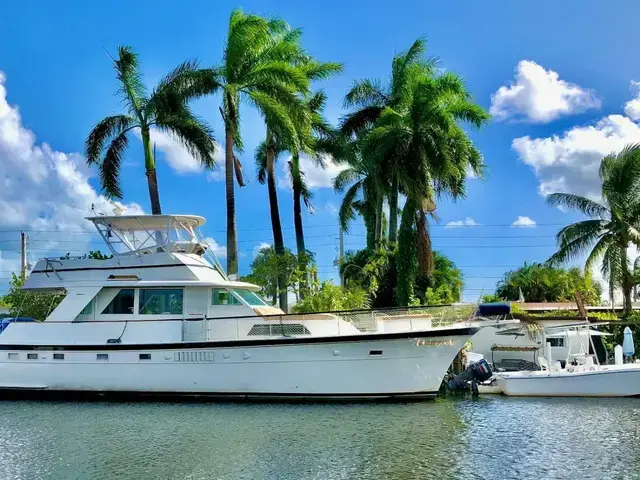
<point x="261" y="162"/>
<point x="574" y="239"/>
<point x="128" y="73"/>
<point x="347" y="207"/>
<point x="102" y="132"/>
<point x="344" y="178"/>
<point x="365" y="93"/>
<point x="576" y="202"/>
<point x="110" y="166"/>
<point x="194" y="135"/>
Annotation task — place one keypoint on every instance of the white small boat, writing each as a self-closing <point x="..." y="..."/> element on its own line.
<point x="582" y="376"/>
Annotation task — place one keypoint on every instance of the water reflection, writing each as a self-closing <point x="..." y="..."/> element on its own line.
<point x="487" y="438"/>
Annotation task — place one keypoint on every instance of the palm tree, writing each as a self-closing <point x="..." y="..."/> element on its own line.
<point x="613" y="223"/>
<point x="370" y="98"/>
<point x="362" y="189"/>
<point x="165" y="109"/>
<point x="256" y="68"/>
<point x="306" y="119"/>
<point x="432" y="155"/>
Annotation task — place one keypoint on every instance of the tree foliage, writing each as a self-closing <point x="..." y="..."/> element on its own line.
<point x="328" y="297"/>
<point x="165" y="108"/>
<point x="376" y="272"/>
<point x="544" y="283"/>
<point x="27" y="303"/>
<point x="613" y="225"/>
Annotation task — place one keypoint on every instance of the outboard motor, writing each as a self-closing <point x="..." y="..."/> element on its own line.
<point x="479" y="371"/>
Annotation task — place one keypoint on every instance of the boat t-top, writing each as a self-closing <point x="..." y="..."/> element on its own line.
<point x="161" y="317"/>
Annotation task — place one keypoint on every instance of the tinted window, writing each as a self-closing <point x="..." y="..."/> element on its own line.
<point x="250" y="297"/>
<point x="88" y="309"/>
<point x="556" y="342"/>
<point x="160" y="301"/>
<point x="122" y="303"/>
<point x="222" y="297"/>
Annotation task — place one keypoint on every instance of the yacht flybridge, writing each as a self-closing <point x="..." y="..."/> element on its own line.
<point x="162" y="317"/>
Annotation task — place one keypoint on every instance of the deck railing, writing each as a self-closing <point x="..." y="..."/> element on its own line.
<point x="349" y="322"/>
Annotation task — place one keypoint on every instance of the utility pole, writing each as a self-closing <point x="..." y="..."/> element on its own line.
<point x="341" y="258"/>
<point x="23" y="254"/>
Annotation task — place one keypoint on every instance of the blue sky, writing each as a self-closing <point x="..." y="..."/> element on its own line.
<point x="58" y="82"/>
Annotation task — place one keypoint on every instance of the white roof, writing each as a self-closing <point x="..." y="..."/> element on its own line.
<point x="150" y="222"/>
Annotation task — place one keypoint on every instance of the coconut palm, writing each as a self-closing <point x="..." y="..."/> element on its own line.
<point x="257" y="69"/>
<point x="370" y="98"/>
<point x="432" y="155"/>
<point x="613" y="224"/>
<point x="165" y="109"/>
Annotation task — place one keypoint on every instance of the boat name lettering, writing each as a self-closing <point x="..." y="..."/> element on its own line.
<point x="421" y="342"/>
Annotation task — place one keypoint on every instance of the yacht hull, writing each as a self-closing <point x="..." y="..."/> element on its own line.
<point x="408" y="365"/>
<point x="609" y="381"/>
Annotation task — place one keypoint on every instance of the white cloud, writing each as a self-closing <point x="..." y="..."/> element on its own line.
<point x="259" y="247"/>
<point x="467" y="222"/>
<point x="632" y="107"/>
<point x="218" y="250"/>
<point x="523" y="222"/>
<point x="331" y="208"/>
<point x="315" y="175"/>
<point x="570" y="162"/>
<point x="43" y="189"/>
<point x="215" y="175"/>
<point x="538" y="95"/>
<point x="178" y="157"/>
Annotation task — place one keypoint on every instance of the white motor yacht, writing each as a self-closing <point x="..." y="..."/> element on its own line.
<point x="161" y="317"/>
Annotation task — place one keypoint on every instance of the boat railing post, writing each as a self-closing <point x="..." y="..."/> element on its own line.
<point x="237" y="329"/>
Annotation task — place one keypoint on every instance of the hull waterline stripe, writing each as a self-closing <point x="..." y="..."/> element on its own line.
<point x="467" y="331"/>
<point x="72" y="395"/>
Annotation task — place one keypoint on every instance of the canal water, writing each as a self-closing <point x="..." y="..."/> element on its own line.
<point x="486" y="438"/>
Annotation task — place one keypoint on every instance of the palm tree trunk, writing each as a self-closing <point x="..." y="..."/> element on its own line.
<point x="232" y="234"/>
<point x="368" y="215"/>
<point x="297" y="221"/>
<point x="276" y="226"/>
<point x="393" y="208"/>
<point x="425" y="252"/>
<point x="379" y="205"/>
<point x="150" y="167"/>
<point x="627" y="284"/>
<point x="406" y="255"/>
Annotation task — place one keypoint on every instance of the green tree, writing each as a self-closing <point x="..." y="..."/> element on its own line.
<point x="432" y="156"/>
<point x="98" y="255"/>
<point x="268" y="268"/>
<point x="28" y="303"/>
<point x="257" y="68"/>
<point x="165" y="109"/>
<point x="613" y="224"/>
<point x="369" y="99"/>
<point x="545" y="283"/>
<point x="328" y="297"/>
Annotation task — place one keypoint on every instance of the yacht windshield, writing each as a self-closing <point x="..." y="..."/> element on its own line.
<point x="251" y="298"/>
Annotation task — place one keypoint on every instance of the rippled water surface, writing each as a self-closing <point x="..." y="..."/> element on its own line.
<point x="485" y="438"/>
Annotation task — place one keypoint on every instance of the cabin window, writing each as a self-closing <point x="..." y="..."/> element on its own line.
<point x="279" y="329"/>
<point x="556" y="342"/>
<point x="102" y="356"/>
<point x="88" y="309"/>
<point x="222" y="297"/>
<point x="58" y="356"/>
<point x="251" y="298"/>
<point x="144" y="356"/>
<point x="32" y="356"/>
<point x="122" y="303"/>
<point x="13" y="356"/>
<point x="160" y="301"/>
